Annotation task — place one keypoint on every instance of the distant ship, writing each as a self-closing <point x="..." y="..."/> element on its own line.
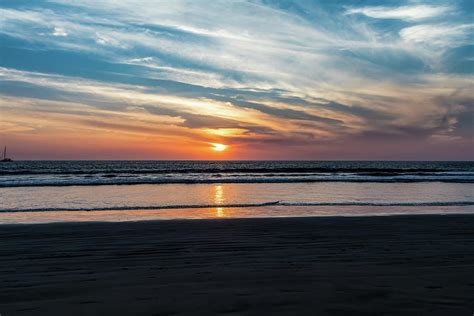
<point x="5" y="158"/>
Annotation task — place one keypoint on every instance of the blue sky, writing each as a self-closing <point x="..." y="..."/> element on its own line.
<point x="270" y="79"/>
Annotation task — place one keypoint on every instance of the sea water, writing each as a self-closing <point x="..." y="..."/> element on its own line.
<point x="116" y="190"/>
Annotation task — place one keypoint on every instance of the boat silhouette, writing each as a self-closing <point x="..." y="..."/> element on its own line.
<point x="5" y="158"/>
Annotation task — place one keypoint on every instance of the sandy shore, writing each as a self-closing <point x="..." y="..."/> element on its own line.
<point x="420" y="265"/>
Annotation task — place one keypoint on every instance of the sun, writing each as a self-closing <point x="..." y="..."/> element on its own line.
<point x="219" y="147"/>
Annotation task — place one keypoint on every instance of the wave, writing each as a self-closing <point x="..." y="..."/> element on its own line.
<point x="115" y="181"/>
<point x="237" y="205"/>
<point x="299" y="170"/>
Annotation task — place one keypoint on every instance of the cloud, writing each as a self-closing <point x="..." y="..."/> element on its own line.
<point x="141" y="60"/>
<point x="59" y="31"/>
<point x="408" y="13"/>
<point x="284" y="113"/>
<point x="442" y="35"/>
<point x="194" y="45"/>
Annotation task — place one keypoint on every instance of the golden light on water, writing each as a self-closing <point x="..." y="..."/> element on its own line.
<point x="219" y="147"/>
<point x="219" y="199"/>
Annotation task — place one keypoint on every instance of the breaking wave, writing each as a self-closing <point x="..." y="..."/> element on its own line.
<point x="237" y="205"/>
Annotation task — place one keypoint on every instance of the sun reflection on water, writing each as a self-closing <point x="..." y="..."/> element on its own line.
<point x="219" y="199"/>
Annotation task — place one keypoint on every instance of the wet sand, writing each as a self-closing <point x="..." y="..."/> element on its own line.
<point x="418" y="265"/>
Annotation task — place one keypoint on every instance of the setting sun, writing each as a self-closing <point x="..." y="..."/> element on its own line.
<point x="219" y="147"/>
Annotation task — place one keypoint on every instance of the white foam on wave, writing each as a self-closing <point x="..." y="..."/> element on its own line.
<point x="10" y="181"/>
<point x="246" y="205"/>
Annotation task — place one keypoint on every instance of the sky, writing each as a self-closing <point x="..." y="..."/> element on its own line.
<point x="318" y="80"/>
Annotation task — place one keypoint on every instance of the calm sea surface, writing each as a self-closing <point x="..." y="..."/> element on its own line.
<point x="43" y="191"/>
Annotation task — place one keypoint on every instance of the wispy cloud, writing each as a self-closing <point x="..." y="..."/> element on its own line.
<point x="59" y="31"/>
<point x="409" y="13"/>
<point x="442" y="35"/>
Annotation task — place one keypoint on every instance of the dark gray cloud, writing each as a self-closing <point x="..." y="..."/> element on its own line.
<point x="289" y="114"/>
<point x="192" y="120"/>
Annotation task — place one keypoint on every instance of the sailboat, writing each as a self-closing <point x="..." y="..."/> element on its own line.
<point x="5" y="158"/>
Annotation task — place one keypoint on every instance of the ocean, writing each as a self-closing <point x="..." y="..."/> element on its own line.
<point x="127" y="190"/>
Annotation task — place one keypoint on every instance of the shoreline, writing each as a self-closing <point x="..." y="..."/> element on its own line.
<point x="178" y="220"/>
<point x="248" y="205"/>
<point x="401" y="264"/>
<point x="217" y="213"/>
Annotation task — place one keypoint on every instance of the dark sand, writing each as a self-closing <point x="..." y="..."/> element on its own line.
<point x="400" y="265"/>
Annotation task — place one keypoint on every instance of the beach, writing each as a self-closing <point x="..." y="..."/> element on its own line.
<point x="241" y="157"/>
<point x="374" y="265"/>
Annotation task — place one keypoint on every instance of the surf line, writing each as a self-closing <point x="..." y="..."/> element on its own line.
<point x="271" y="203"/>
